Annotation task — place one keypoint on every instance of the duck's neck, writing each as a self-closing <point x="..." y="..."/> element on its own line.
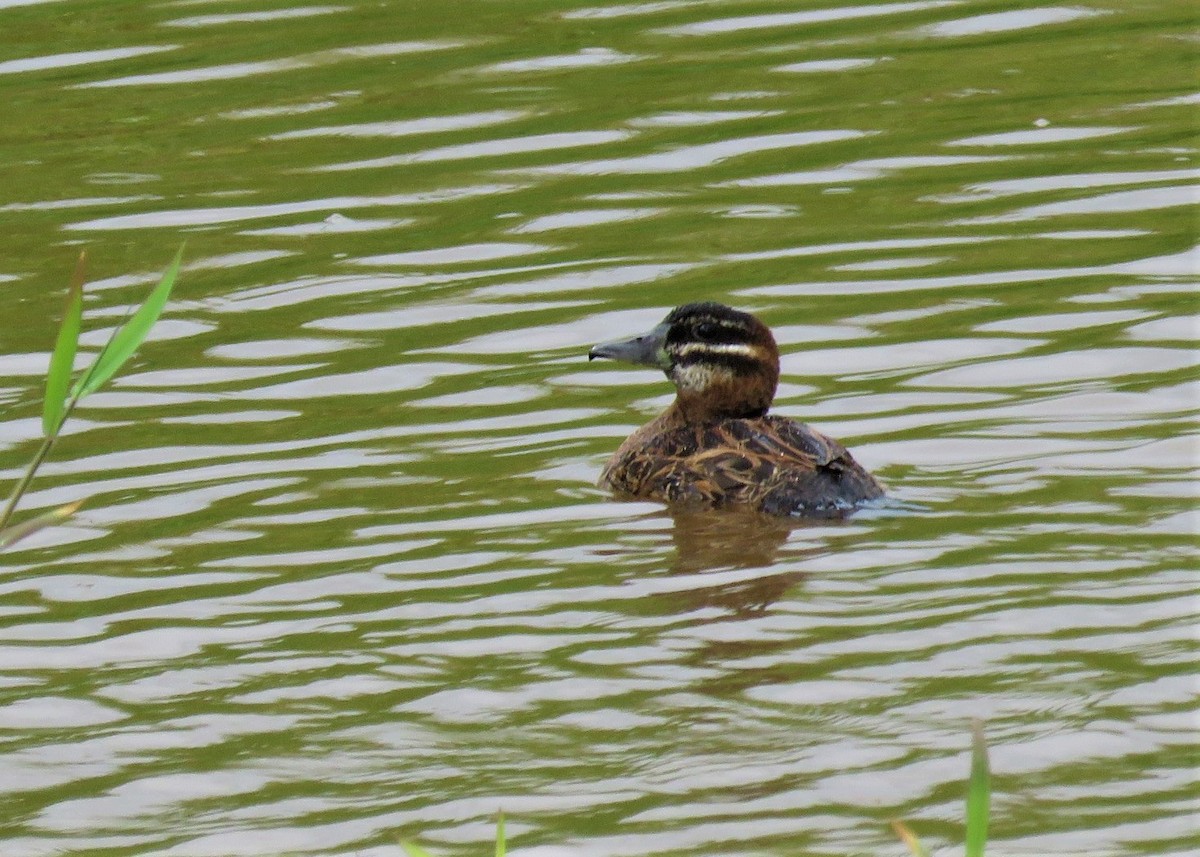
<point x="708" y="408"/>
<point x="710" y="391"/>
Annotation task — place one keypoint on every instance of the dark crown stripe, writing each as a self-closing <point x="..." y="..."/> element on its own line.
<point x="727" y="331"/>
<point x="717" y="330"/>
<point x="707" y="310"/>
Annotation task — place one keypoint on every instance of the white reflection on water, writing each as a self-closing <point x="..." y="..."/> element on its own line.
<point x="1062" y="321"/>
<point x="405" y="127"/>
<point x="313" y="106"/>
<point x="1175" y="264"/>
<point x="334" y="224"/>
<point x="278" y="349"/>
<point x="1176" y="329"/>
<point x="1176" y="101"/>
<point x="684" y="158"/>
<point x="78" y="202"/>
<point x="236" y="71"/>
<point x="486" y="148"/>
<point x="413" y="500"/>
<point x="822" y="66"/>
<point x="206" y="263"/>
<point x="579" y="334"/>
<point x="858" y="246"/>
<point x="10" y="4"/>
<point x="890" y="264"/>
<point x="1146" y="199"/>
<point x="626" y="9"/>
<point x="1068" y="368"/>
<point x="587" y="280"/>
<point x="202" y="376"/>
<point x="900" y="357"/>
<point x="1035" y="184"/>
<point x="463" y="254"/>
<point x="254" y="17"/>
<point x="421" y="315"/>
<point x="583" y="218"/>
<point x="379" y="381"/>
<point x="79" y="58"/>
<point x="55" y="712"/>
<point x="867" y="169"/>
<point x="697" y="118"/>
<point x="584" y="58"/>
<point x="1039" y="136"/>
<point x="236" y="213"/>
<point x="1001" y="22"/>
<point x="798" y="19"/>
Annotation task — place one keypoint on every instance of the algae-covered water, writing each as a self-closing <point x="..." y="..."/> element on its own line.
<point x="343" y="575"/>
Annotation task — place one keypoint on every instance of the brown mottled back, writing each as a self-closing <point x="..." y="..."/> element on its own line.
<point x="771" y="463"/>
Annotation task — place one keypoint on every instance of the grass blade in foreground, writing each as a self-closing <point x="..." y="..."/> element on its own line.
<point x="127" y="338"/>
<point x="12" y="535"/>
<point x="910" y="839"/>
<point x="978" y="800"/>
<point x="978" y="793"/>
<point x="58" y="406"/>
<point x="58" y="378"/>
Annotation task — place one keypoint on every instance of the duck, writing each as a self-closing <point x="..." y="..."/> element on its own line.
<point x="716" y="445"/>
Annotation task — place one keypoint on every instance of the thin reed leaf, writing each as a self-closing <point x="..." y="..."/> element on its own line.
<point x="910" y="839"/>
<point x="126" y="338"/>
<point x="58" y="378"/>
<point x="500" y="835"/>
<point x="414" y="850"/>
<point x="11" y="535"/>
<point x="978" y="793"/>
<point x="22" y="485"/>
<point x="85" y="379"/>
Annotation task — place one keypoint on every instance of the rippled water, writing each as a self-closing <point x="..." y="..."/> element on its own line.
<point x="343" y="575"/>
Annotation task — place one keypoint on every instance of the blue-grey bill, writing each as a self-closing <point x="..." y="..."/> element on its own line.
<point x="644" y="350"/>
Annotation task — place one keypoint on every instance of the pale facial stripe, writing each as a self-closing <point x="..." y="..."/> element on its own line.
<point x="738" y="349"/>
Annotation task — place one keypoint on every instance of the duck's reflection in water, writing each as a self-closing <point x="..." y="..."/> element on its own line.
<point x="728" y="540"/>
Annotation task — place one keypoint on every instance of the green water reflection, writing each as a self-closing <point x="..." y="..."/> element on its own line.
<point x="343" y="574"/>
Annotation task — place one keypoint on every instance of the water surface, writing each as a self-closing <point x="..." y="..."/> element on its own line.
<point x="343" y="575"/>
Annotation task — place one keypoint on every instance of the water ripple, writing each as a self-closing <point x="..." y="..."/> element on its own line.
<point x="341" y="508"/>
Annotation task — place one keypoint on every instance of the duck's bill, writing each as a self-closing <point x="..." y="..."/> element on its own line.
<point x="644" y="350"/>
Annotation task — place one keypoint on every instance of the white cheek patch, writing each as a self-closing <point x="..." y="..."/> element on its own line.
<point x="696" y="377"/>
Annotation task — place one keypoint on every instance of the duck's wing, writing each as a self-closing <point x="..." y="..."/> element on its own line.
<point x="788" y="443"/>
<point x="814" y="476"/>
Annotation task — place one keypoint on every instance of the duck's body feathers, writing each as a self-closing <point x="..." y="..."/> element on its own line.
<point x="771" y="463"/>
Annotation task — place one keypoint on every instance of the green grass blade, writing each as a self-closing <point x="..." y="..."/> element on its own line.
<point x="23" y="483"/>
<point x="910" y="839"/>
<point x="500" y="835"/>
<point x="414" y="850"/>
<point x="126" y="339"/>
<point x="84" y="380"/>
<point x="12" y="535"/>
<point x="978" y="793"/>
<point x="58" y="378"/>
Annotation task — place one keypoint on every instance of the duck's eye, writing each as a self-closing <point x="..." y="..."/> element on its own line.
<point x="706" y="332"/>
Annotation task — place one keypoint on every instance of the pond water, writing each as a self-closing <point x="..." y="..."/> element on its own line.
<point x="343" y="575"/>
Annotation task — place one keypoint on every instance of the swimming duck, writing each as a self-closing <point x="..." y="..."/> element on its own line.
<point x="716" y="445"/>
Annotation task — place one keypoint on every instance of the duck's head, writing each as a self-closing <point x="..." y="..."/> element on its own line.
<point x="724" y="363"/>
